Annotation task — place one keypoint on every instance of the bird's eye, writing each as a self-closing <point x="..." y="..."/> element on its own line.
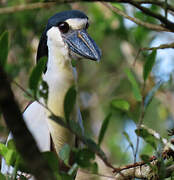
<point x="87" y="25"/>
<point x="63" y="27"/>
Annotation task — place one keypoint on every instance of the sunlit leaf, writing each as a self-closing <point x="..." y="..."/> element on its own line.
<point x="150" y="61"/>
<point x="135" y="87"/>
<point x="103" y="128"/>
<point x="36" y="75"/>
<point x="64" y="154"/>
<point x="8" y="154"/>
<point x="3" y="48"/>
<point x="120" y="104"/>
<point x="69" y="102"/>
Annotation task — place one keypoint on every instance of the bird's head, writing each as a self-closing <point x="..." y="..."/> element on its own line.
<point x="67" y="31"/>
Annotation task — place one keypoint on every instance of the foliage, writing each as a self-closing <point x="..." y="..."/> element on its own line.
<point x="115" y="86"/>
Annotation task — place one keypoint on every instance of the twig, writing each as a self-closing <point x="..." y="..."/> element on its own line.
<point x="139" y="125"/>
<point x="162" y="46"/>
<point x="135" y="20"/>
<point x="30" y="95"/>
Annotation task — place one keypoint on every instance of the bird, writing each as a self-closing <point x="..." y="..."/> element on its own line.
<point x="64" y="38"/>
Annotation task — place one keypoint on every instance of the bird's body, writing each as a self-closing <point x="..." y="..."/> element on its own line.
<point x="64" y="38"/>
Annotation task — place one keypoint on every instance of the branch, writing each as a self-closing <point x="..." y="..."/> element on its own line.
<point x="162" y="46"/>
<point x="141" y="171"/>
<point x="23" y="7"/>
<point x="168" y="24"/>
<point x="158" y="3"/>
<point x="24" y="141"/>
<point x="135" y="20"/>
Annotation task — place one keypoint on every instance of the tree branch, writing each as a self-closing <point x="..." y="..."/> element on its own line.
<point x="24" y="141"/>
<point x="158" y="3"/>
<point x="22" y="7"/>
<point x="135" y="20"/>
<point x="162" y="46"/>
<point x="168" y="24"/>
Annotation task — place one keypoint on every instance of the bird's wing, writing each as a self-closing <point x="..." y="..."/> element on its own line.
<point x="35" y="119"/>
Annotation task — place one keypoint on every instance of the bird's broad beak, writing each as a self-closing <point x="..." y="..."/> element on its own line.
<point x="82" y="44"/>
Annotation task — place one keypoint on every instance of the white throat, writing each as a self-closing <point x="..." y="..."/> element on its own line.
<point x="59" y="77"/>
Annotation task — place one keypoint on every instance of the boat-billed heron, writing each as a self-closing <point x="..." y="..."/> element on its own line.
<point x="64" y="38"/>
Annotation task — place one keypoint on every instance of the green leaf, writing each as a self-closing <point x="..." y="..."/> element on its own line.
<point x="76" y="127"/>
<point x="145" y="158"/>
<point x="151" y="94"/>
<point x="64" y="154"/>
<point x="146" y="136"/>
<point x="128" y="139"/>
<point x="8" y="154"/>
<point x="135" y="87"/>
<point x="52" y="160"/>
<point x="3" y="48"/>
<point x="2" y="177"/>
<point x="69" y="102"/>
<point x="74" y="63"/>
<point x="120" y="104"/>
<point x="95" y="148"/>
<point x="84" y="156"/>
<point x="150" y="60"/>
<point x="103" y="128"/>
<point x="36" y="75"/>
<point x="94" y="168"/>
<point x="11" y="145"/>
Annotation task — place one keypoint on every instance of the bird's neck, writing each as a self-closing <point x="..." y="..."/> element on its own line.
<point x="59" y="77"/>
